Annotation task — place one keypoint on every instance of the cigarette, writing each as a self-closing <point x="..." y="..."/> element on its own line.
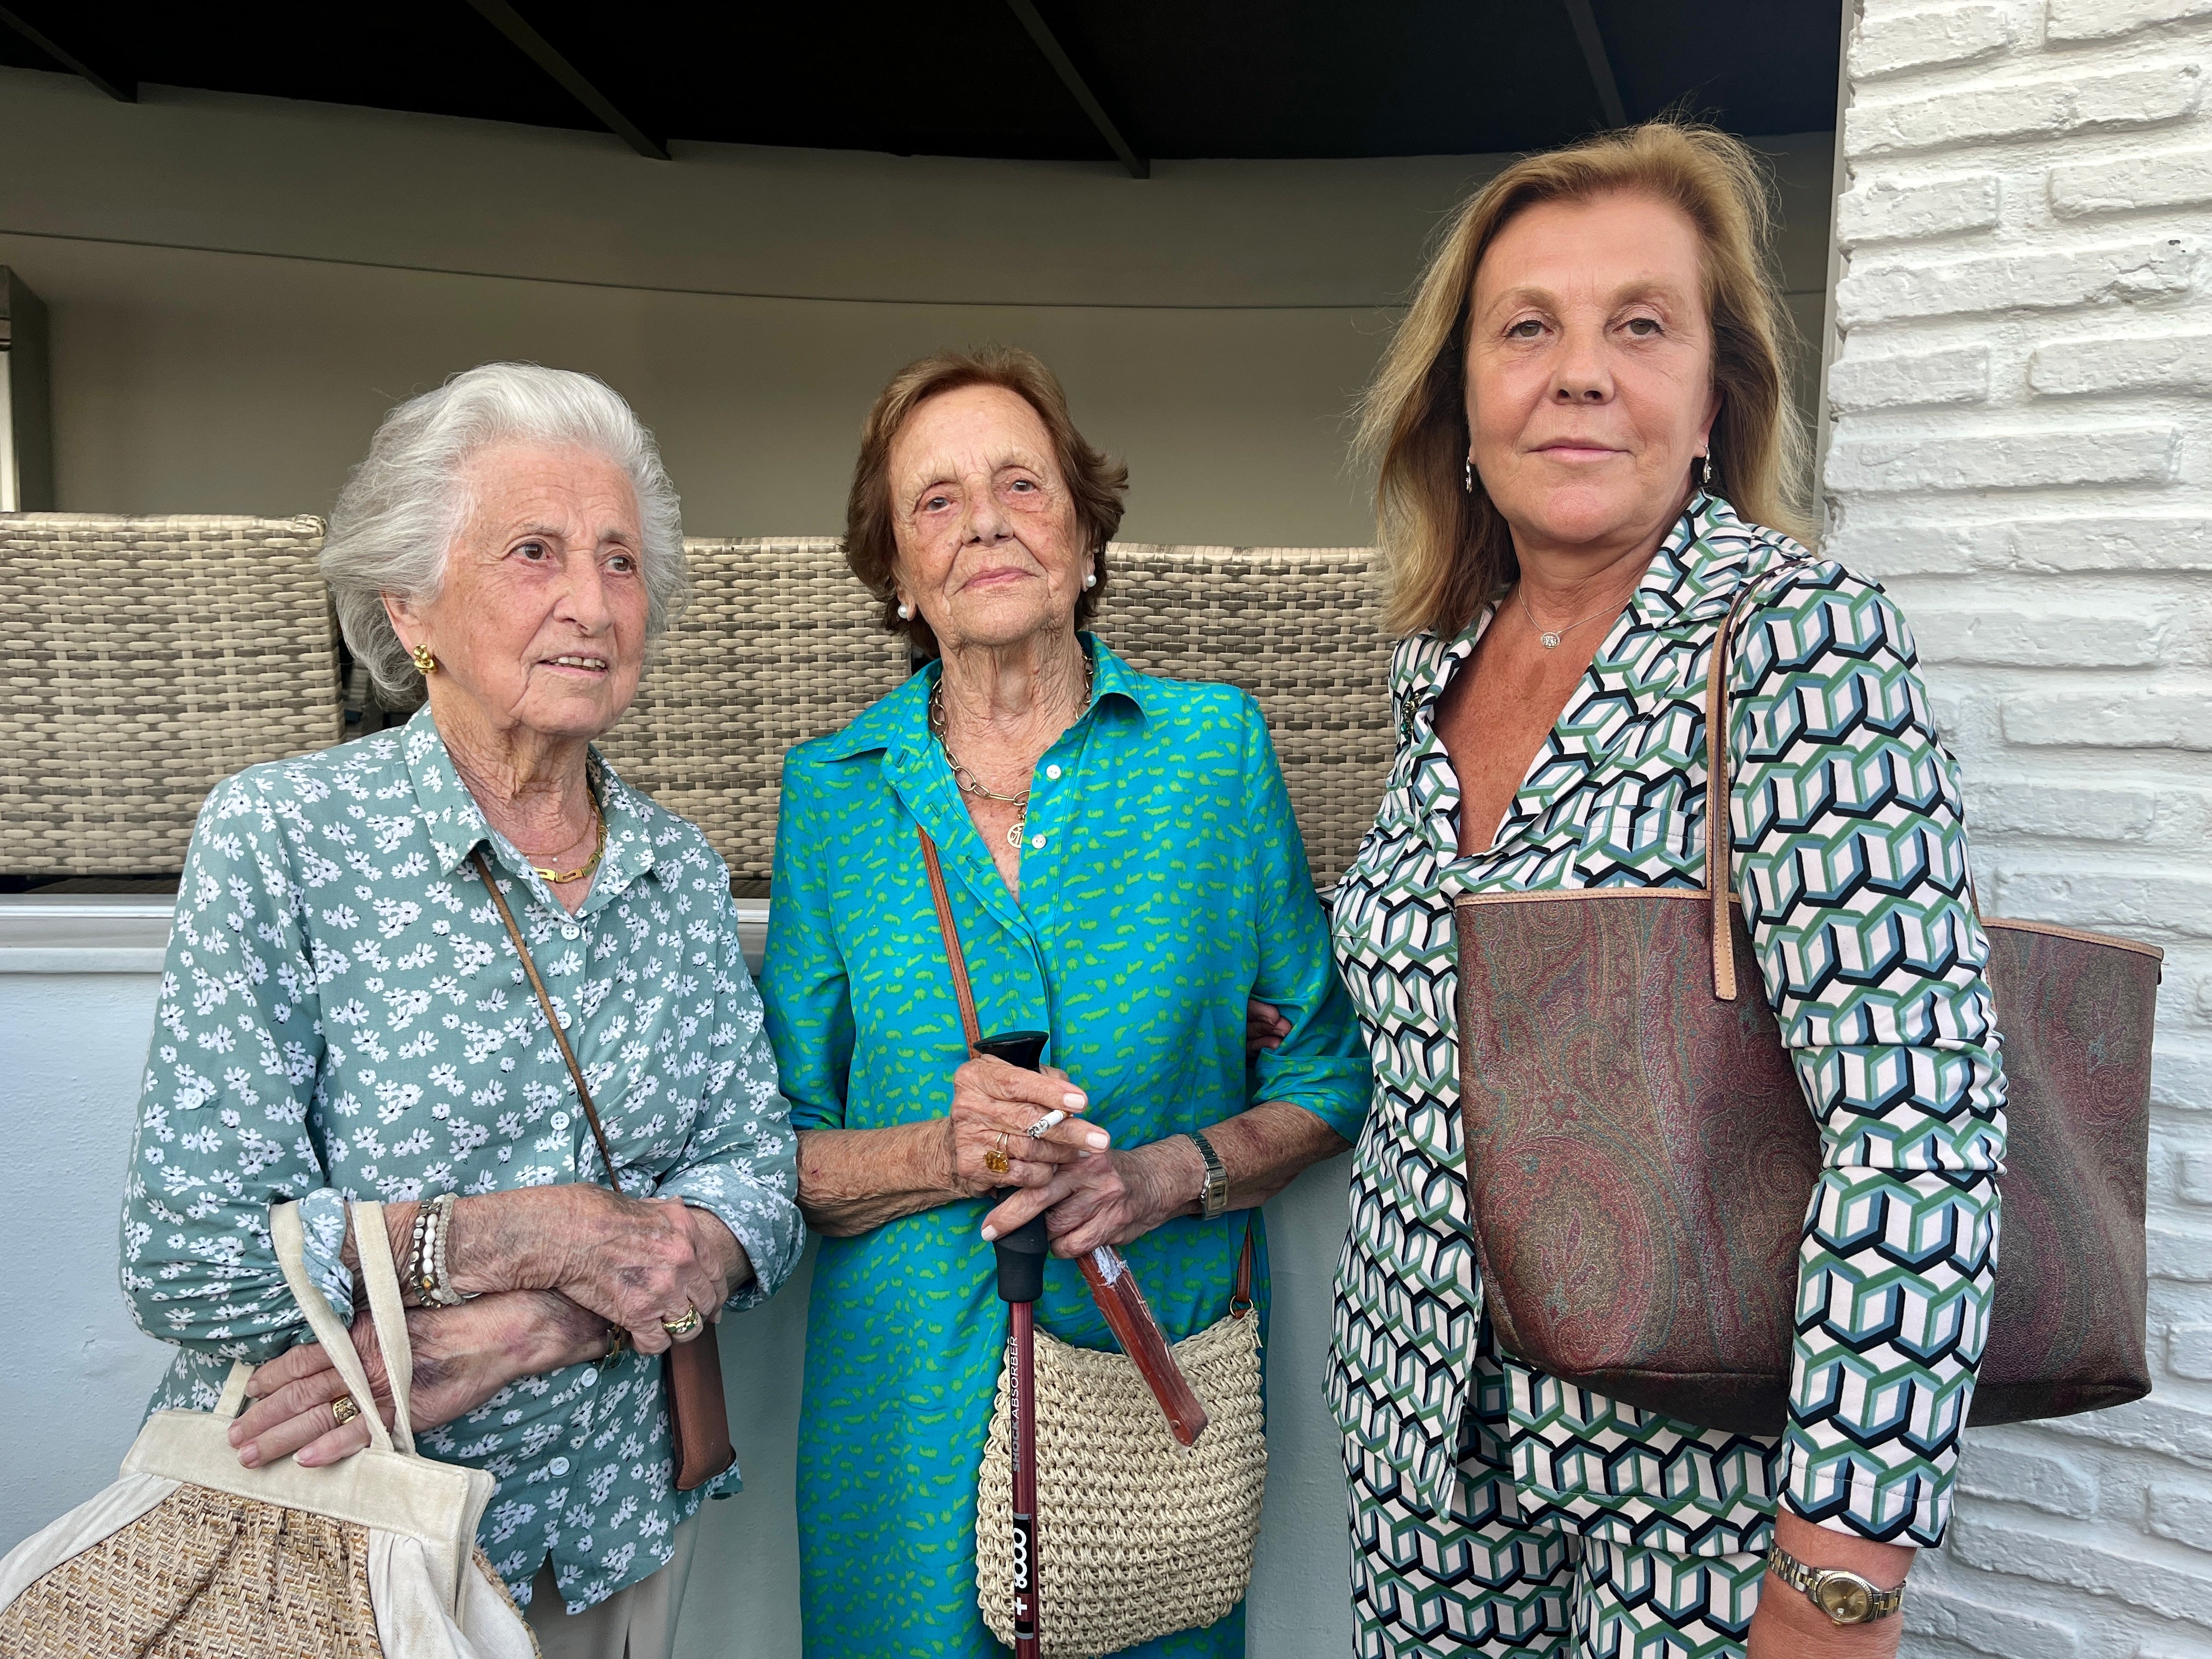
<point x="1038" y="1130"/>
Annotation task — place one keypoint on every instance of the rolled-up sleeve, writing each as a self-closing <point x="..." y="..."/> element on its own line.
<point x="1852" y="869"/>
<point x="222" y="1113"/>
<point x="1321" y="1063"/>
<point x="741" y="1162"/>
<point x="809" y="1007"/>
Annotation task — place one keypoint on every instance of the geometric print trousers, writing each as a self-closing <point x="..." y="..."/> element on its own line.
<point x="1480" y="1582"/>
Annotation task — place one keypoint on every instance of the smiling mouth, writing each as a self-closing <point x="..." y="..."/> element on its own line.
<point x="595" y="664"/>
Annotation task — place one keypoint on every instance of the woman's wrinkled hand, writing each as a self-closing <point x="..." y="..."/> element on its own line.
<point x="463" y="1357"/>
<point x="638" y="1262"/>
<point x="1110" y="1199"/>
<point x="1264" y="1027"/>
<point x="993" y="1105"/>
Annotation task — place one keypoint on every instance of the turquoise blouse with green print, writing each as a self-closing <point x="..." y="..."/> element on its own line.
<point x="1163" y="879"/>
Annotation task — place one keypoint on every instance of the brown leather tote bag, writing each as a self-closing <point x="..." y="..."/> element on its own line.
<point x="1639" y="1154"/>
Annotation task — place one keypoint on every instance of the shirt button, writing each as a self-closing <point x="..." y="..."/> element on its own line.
<point x="560" y="1120"/>
<point x="590" y="1374"/>
<point x="1052" y="771"/>
<point x="559" y="1466"/>
<point x="1036" y="841"/>
<point x="572" y="932"/>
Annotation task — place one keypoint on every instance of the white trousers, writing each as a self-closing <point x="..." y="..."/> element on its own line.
<point x="635" y="1623"/>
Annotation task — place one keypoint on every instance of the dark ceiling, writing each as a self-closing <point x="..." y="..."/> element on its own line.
<point x="1080" y="80"/>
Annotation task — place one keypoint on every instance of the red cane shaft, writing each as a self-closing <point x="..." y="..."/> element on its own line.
<point x="1023" y="1335"/>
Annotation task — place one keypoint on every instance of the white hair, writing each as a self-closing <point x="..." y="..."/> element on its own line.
<point x="396" y="518"/>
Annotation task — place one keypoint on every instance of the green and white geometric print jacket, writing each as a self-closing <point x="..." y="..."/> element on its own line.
<point x="1850" y="855"/>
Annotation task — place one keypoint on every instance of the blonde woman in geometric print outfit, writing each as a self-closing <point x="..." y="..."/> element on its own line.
<point x="1583" y="432"/>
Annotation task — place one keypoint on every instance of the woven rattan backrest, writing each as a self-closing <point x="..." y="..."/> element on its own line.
<point x="779" y="643"/>
<point x="1301" y="629"/>
<point x="141" y="659"/>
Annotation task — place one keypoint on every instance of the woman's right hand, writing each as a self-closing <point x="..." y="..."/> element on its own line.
<point x="637" y="1262"/>
<point x="994" y="1104"/>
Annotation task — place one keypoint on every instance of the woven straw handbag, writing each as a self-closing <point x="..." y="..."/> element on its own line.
<point x="1639" y="1150"/>
<point x="191" y="1555"/>
<point x="1137" y="1536"/>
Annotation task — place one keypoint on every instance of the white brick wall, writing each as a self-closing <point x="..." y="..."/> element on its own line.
<point x="2020" y="449"/>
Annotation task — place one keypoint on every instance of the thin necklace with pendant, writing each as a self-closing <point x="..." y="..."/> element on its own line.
<point x="965" y="777"/>
<point x="1549" y="638"/>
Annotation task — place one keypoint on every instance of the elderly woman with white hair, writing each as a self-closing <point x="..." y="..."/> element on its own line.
<point x="344" y="1015"/>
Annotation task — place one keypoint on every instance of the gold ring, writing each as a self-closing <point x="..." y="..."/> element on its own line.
<point x="344" y="1410"/>
<point x="996" y="1159"/>
<point x="690" y="1321"/>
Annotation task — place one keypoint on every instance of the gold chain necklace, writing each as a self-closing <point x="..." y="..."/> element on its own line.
<point x="967" y="780"/>
<point x="562" y="878"/>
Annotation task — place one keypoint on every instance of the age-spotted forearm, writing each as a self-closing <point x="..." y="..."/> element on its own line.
<point x="1263" y="1150"/>
<point x="853" y="1181"/>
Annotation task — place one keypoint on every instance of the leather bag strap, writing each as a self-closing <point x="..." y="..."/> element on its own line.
<point x="961" y="990"/>
<point x="553" y="1020"/>
<point x="1240" y="1299"/>
<point x="1720" y="837"/>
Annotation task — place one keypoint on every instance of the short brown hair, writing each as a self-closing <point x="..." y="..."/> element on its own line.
<point x="1096" y="482"/>
<point x="1447" y="551"/>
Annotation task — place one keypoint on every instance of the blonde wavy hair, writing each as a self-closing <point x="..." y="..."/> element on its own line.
<point x="1447" y="551"/>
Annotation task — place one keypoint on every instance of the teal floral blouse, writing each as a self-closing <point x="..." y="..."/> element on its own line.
<point x="1162" y="879"/>
<point x="342" y="1016"/>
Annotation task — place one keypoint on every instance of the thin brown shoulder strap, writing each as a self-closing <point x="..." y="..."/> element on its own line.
<point x="1719" y="881"/>
<point x="545" y="1002"/>
<point x="943" y="900"/>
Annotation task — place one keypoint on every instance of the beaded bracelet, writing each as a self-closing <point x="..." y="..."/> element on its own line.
<point x="435" y="1291"/>
<point x="411" y="1273"/>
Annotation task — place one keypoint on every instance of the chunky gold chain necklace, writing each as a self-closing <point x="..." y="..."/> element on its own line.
<point x="967" y="780"/>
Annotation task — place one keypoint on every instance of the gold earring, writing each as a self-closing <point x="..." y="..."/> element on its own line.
<point x="425" y="664"/>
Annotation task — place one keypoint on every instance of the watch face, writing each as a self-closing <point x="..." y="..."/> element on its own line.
<point x="1844" y="1598"/>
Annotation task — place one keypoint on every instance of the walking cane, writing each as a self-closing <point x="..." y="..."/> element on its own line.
<point x="1021" y="1281"/>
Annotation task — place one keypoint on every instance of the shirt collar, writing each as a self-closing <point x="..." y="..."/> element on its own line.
<point x="1692" y="580"/>
<point x="900" y="722"/>
<point x="457" y="826"/>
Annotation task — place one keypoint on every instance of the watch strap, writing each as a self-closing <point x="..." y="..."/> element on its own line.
<point x="1811" y="1581"/>
<point x="1213" y="1196"/>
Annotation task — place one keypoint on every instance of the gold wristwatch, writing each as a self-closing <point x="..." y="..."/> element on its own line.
<point x="1846" y="1597"/>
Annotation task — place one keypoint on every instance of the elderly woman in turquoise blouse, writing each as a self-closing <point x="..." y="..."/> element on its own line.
<point x="1124" y="871"/>
<point x="344" y="1016"/>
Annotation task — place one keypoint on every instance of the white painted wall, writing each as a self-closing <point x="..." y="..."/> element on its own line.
<point x="2021" y="451"/>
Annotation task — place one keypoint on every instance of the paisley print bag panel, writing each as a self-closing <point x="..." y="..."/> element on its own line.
<point x="1639" y="1151"/>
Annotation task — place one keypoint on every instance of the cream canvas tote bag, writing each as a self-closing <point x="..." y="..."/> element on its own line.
<point x="192" y="1554"/>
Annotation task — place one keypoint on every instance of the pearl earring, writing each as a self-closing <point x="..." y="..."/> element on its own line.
<point x="905" y="611"/>
<point x="1090" y="579"/>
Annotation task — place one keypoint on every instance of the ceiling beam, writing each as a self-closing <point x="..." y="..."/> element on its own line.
<point x="1600" y="66"/>
<point x="124" y="88"/>
<point x="1071" y="78"/>
<point x="541" y="51"/>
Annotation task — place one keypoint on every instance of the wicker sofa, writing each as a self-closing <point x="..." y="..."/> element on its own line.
<point x="143" y="659"/>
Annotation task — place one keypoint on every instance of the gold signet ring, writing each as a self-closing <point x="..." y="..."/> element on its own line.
<point x="680" y="1329"/>
<point x="344" y="1410"/>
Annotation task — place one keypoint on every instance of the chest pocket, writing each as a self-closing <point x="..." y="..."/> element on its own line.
<point x="1642" y="846"/>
